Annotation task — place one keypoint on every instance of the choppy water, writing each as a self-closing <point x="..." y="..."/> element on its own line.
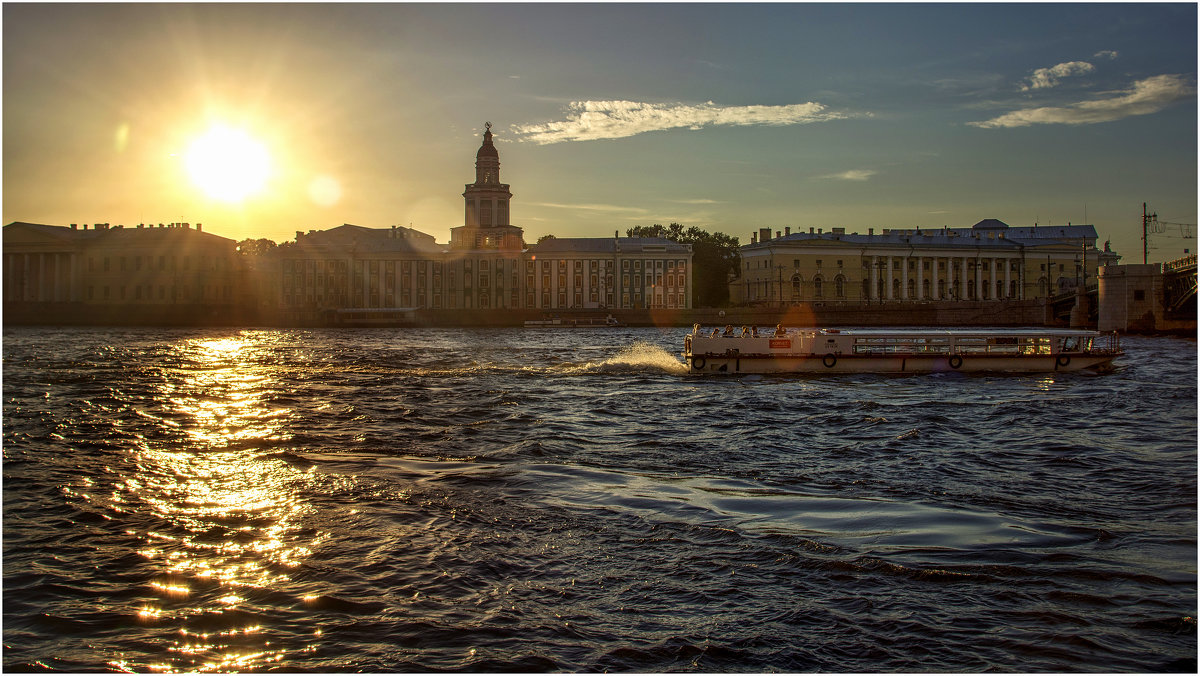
<point x="215" y="500"/>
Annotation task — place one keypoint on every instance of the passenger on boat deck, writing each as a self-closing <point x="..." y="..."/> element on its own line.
<point x="745" y="331"/>
<point x="695" y="329"/>
<point x="780" y="331"/>
<point x="728" y="331"/>
<point x="754" y="331"/>
<point x="715" y="332"/>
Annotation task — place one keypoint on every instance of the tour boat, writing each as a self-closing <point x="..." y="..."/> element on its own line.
<point x="780" y="350"/>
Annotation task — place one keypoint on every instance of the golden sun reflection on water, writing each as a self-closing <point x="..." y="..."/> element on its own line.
<point x="228" y="513"/>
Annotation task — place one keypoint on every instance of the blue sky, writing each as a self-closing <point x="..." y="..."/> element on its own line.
<point x="730" y="117"/>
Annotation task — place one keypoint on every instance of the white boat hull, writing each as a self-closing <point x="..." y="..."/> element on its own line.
<point x="899" y="351"/>
<point x="897" y="364"/>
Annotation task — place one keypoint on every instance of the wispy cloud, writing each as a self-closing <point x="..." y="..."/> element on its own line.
<point x="1044" y="78"/>
<point x="610" y="208"/>
<point x="851" y="175"/>
<point x="696" y="201"/>
<point x="1144" y="97"/>
<point x="592" y="120"/>
<point x="1106" y="54"/>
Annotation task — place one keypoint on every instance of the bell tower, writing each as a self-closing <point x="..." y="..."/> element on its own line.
<point x="486" y="218"/>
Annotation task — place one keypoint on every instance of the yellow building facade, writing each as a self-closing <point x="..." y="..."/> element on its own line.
<point x="989" y="261"/>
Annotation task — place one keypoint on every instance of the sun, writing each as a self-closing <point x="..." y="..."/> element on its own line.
<point x="228" y="164"/>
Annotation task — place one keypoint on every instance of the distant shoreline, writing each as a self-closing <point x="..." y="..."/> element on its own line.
<point x="945" y="313"/>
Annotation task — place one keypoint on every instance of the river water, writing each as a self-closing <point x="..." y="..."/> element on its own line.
<point x="534" y="500"/>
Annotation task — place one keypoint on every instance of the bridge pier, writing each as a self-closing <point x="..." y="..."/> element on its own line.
<point x="1079" y="313"/>
<point x="1134" y="298"/>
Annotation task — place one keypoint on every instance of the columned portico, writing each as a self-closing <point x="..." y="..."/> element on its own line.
<point x="888" y="284"/>
<point x="873" y="292"/>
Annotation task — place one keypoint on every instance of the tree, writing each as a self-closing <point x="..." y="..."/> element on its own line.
<point x="543" y="238"/>
<point x="715" y="256"/>
<point x="255" y="247"/>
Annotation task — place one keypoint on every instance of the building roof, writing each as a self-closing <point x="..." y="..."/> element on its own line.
<point x="103" y="233"/>
<point x="357" y="237"/>
<point x="596" y="245"/>
<point x="990" y="233"/>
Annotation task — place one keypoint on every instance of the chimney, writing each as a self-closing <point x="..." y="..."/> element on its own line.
<point x="819" y="231"/>
<point x="787" y="230"/>
<point x="764" y="234"/>
<point x="197" y="227"/>
<point x="74" y="226"/>
<point x="753" y="237"/>
<point x="871" y="231"/>
<point x="812" y="230"/>
<point x="299" y="234"/>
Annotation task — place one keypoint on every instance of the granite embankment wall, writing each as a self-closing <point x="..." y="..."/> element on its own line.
<point x="1011" y="313"/>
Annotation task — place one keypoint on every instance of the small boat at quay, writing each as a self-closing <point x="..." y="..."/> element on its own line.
<point x="792" y="350"/>
<point x="556" y="322"/>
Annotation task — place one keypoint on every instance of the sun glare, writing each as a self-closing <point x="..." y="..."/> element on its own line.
<point x="228" y="164"/>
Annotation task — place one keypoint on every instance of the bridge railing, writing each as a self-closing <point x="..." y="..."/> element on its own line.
<point x="1180" y="264"/>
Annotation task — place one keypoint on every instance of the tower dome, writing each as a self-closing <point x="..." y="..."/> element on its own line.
<point x="487" y="149"/>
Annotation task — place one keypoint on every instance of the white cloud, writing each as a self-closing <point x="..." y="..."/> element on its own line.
<point x="592" y="120"/>
<point x="1044" y="78"/>
<point x="852" y="175"/>
<point x="1146" y="96"/>
<point x="1106" y="54"/>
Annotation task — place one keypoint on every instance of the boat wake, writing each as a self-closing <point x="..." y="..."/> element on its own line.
<point x="639" y="357"/>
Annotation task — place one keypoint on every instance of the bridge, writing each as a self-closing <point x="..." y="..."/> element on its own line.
<point x="1156" y="296"/>
<point x="1179" y="288"/>
<point x="1062" y="304"/>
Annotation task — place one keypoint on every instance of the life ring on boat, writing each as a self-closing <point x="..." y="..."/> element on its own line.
<point x="1063" y="360"/>
<point x="829" y="361"/>
<point x="955" y="361"/>
<point x="698" y="363"/>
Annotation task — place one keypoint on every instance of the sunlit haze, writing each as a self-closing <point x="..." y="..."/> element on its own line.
<point x="263" y="120"/>
<point x="228" y="164"/>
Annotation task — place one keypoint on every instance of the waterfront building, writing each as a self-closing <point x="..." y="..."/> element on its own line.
<point x="990" y="261"/>
<point x="49" y="267"/>
<point x="485" y="266"/>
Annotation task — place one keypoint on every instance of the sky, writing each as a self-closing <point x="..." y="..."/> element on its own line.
<point x="265" y="120"/>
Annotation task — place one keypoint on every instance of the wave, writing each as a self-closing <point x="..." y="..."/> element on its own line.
<point x="640" y="357"/>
